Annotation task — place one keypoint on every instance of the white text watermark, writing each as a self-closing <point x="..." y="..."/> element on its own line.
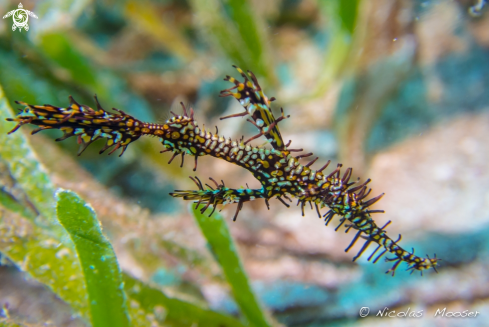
<point x="388" y="313"/>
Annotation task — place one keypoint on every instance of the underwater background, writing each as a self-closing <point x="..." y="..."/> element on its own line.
<point x="393" y="88"/>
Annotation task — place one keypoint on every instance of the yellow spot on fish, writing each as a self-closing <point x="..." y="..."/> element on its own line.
<point x="264" y="163"/>
<point x="200" y="139"/>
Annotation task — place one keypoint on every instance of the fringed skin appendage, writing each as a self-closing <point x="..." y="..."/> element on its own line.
<point x="209" y="195"/>
<point x="256" y="104"/>
<point x="280" y="173"/>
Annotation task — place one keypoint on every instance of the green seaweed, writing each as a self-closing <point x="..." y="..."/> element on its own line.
<point x="38" y="246"/>
<point x="171" y="311"/>
<point x="222" y="246"/>
<point x="44" y="258"/>
<point x="97" y="258"/>
<point x="25" y="168"/>
<point x="237" y="36"/>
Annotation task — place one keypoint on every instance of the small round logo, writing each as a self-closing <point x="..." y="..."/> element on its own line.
<point x="20" y="17"/>
<point x="364" y="311"/>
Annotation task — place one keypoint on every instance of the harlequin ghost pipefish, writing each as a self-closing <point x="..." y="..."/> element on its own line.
<point x="280" y="172"/>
